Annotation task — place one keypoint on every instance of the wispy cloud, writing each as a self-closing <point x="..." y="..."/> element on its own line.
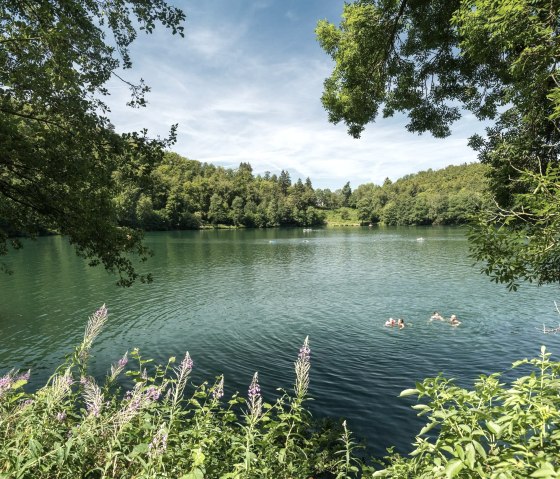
<point x="236" y="100"/>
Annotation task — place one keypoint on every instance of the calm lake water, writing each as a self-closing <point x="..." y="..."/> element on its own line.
<point x="242" y="301"/>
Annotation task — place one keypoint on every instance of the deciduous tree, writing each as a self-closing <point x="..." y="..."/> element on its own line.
<point x="61" y="161"/>
<point x="498" y="59"/>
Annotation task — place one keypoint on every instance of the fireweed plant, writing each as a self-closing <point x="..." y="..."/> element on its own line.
<point x="163" y="427"/>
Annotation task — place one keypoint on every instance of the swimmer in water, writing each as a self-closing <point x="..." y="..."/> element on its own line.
<point x="400" y="323"/>
<point x="454" y="321"/>
<point x="390" y="323"/>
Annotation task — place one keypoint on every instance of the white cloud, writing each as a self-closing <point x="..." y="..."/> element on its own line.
<point x="234" y="102"/>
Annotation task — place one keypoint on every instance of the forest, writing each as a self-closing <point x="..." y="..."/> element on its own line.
<point x="187" y="194"/>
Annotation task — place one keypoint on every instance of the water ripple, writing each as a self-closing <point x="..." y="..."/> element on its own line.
<point x="243" y="301"/>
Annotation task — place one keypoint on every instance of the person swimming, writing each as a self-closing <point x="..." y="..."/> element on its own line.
<point x="390" y="323"/>
<point x="400" y="323"/>
<point x="437" y="316"/>
<point x="454" y="320"/>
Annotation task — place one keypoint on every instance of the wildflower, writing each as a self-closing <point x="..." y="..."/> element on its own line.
<point x="302" y="367"/>
<point x="123" y="361"/>
<point x="136" y="400"/>
<point x="182" y="373"/>
<point x="93" y="398"/>
<point x="255" y="400"/>
<point x="93" y="328"/>
<point x="6" y="383"/>
<point x="152" y="393"/>
<point x="305" y="351"/>
<point x="60" y="386"/>
<point x="61" y="416"/>
<point x="218" y="390"/>
<point x="158" y="445"/>
<point x="117" y="369"/>
<point x="25" y="376"/>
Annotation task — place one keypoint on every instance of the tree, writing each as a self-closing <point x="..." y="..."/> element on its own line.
<point x="62" y="162"/>
<point x="284" y="181"/>
<point x="495" y="58"/>
<point x="346" y="193"/>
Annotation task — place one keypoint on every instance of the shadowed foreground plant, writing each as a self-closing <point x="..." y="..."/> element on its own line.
<point x="493" y="431"/>
<point x="77" y="427"/>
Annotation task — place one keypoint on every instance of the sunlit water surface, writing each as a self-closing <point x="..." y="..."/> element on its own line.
<point x="243" y="301"/>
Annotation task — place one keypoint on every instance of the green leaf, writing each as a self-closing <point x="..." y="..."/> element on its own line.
<point x="427" y="427"/>
<point x="195" y="474"/>
<point x="453" y="468"/>
<point x="139" y="449"/>
<point x="545" y="472"/>
<point x="494" y="428"/>
<point x="479" y="448"/>
<point x="409" y="392"/>
<point x="381" y="473"/>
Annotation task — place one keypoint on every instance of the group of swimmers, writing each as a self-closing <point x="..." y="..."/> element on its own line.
<point x="390" y="323"/>
<point x="453" y="320"/>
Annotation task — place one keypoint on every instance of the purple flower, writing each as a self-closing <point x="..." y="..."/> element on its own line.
<point x="254" y="390"/>
<point x="61" y="416"/>
<point x="158" y="445"/>
<point x="218" y="391"/>
<point x="187" y="363"/>
<point x="5" y="381"/>
<point x="123" y="361"/>
<point x="304" y="352"/>
<point x="255" y="399"/>
<point x="153" y="393"/>
<point x="24" y="376"/>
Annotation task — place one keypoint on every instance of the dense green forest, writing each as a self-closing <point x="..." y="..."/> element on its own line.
<point x="187" y="194"/>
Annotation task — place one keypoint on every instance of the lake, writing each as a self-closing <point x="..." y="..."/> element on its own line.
<point x="244" y="300"/>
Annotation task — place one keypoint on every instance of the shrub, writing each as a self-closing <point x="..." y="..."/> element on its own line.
<point x="493" y="431"/>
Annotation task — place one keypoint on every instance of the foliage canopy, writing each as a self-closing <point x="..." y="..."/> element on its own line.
<point x="60" y="153"/>
<point x="497" y="59"/>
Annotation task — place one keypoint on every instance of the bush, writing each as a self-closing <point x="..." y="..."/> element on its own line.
<point x="75" y="428"/>
<point x="494" y="431"/>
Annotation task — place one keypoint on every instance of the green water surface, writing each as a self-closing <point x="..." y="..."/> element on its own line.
<point x="243" y="300"/>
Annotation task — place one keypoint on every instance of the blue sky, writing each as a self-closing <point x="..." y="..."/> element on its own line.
<point x="245" y="85"/>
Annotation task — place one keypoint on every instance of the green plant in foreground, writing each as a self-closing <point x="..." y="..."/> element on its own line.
<point x="493" y="431"/>
<point x="74" y="427"/>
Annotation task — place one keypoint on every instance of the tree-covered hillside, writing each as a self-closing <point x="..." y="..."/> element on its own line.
<point x="448" y="196"/>
<point x="187" y="194"/>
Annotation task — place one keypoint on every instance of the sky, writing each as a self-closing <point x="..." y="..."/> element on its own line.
<point x="244" y="85"/>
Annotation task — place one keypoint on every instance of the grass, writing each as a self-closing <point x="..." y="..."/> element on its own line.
<point x="342" y="217"/>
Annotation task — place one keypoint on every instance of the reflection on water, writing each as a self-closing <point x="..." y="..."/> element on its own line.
<point x="244" y="300"/>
